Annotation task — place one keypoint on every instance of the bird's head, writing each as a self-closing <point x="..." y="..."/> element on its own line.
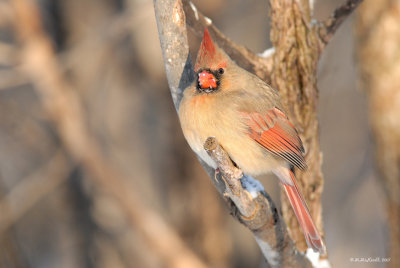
<point x="211" y="64"/>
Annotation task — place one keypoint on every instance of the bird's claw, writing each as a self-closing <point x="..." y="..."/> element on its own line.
<point x="217" y="171"/>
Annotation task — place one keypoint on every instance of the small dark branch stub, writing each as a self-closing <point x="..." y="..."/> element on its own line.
<point x="328" y="28"/>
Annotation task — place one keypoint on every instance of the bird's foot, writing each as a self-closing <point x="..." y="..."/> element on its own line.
<point x="217" y="171"/>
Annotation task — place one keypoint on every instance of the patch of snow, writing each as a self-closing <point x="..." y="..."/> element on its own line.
<point x="311" y="3"/>
<point x="313" y="257"/>
<point x="208" y="20"/>
<point x="196" y="14"/>
<point x="267" y="53"/>
<point x="314" y="22"/>
<point x="251" y="185"/>
<point x="271" y="255"/>
<point x="177" y="18"/>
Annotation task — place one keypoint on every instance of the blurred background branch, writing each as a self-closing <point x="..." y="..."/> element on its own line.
<point x="378" y="52"/>
<point x="6" y="13"/>
<point x="32" y="189"/>
<point x="63" y="105"/>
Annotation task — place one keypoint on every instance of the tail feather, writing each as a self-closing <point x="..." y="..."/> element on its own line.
<point x="303" y="215"/>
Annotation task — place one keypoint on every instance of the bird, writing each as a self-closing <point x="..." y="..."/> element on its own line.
<point x="248" y="120"/>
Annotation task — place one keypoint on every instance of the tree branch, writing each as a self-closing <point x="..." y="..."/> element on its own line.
<point x="295" y="60"/>
<point x="251" y="205"/>
<point x="328" y="28"/>
<point x="255" y="209"/>
<point x="231" y="176"/>
<point x="171" y="24"/>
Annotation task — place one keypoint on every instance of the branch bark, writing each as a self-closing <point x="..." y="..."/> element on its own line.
<point x="298" y="47"/>
<point x="256" y="210"/>
<point x="295" y="67"/>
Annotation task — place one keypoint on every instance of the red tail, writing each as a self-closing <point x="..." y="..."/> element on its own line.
<point x="299" y="205"/>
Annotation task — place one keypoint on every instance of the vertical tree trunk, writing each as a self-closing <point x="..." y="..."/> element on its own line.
<point x="294" y="75"/>
<point x="378" y="52"/>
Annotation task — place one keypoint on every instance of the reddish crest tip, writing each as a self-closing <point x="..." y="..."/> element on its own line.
<point x="207" y="51"/>
<point x="206" y="34"/>
<point x="210" y="55"/>
<point x="207" y="44"/>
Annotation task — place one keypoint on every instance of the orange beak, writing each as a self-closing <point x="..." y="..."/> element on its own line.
<point x="207" y="80"/>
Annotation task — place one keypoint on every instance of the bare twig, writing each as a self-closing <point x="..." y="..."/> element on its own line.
<point x="62" y="103"/>
<point x="328" y="28"/>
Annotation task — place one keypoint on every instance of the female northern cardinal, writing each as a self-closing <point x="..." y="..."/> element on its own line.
<point x="246" y="117"/>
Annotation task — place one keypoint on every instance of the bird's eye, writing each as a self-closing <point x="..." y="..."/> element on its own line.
<point x="221" y="70"/>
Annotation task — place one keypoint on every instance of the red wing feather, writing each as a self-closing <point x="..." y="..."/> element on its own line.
<point x="275" y="133"/>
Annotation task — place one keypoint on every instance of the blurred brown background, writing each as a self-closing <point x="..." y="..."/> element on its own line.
<point x="109" y="52"/>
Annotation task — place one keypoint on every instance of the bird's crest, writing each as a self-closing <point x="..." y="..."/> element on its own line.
<point x="209" y="54"/>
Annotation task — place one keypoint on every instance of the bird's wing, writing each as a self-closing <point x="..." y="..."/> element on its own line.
<point x="274" y="132"/>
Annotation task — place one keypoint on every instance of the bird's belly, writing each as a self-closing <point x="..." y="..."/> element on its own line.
<point x="250" y="156"/>
<point x="196" y="143"/>
<point x="199" y="123"/>
<point x="245" y="152"/>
